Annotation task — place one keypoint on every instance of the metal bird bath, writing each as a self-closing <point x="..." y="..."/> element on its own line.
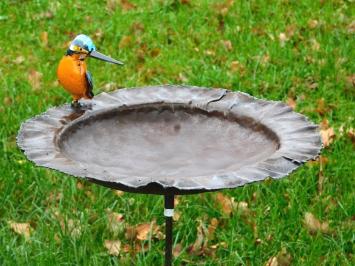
<point x="171" y="140"/>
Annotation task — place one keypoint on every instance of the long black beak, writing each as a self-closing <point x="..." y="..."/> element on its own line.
<point x="103" y="57"/>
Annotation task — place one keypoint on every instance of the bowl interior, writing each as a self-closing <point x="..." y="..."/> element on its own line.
<point x="167" y="140"/>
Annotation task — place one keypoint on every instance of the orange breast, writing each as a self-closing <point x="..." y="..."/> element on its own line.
<point x="71" y="75"/>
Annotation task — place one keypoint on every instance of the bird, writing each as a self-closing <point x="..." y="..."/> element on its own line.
<point x="72" y="72"/>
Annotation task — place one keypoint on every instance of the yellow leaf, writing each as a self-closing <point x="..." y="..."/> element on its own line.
<point x="328" y="136"/>
<point x="23" y="229"/>
<point x="314" y="225"/>
<point x="44" y="38"/>
<point x="35" y="78"/>
<point x="113" y="247"/>
<point x="125" y="41"/>
<point x="291" y="102"/>
<point x="281" y="259"/>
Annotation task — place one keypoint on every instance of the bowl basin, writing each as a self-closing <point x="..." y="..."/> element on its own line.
<point x="171" y="139"/>
<point x="167" y="141"/>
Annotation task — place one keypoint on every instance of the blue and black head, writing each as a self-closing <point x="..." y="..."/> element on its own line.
<point x="83" y="45"/>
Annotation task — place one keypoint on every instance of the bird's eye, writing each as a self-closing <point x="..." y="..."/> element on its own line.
<point x="81" y="49"/>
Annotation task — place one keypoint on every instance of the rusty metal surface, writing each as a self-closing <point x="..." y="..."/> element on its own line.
<point x="172" y="139"/>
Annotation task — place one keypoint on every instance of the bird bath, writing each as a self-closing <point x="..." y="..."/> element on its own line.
<point x="171" y="140"/>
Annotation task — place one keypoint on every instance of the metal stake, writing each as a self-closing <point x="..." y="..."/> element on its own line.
<point x="168" y="213"/>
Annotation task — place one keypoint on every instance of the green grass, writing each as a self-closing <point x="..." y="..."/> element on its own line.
<point x="183" y="35"/>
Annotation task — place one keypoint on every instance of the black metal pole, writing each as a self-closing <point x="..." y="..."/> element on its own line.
<point x="168" y="213"/>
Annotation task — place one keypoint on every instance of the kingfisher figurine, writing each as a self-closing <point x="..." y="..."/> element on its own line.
<point x="72" y="73"/>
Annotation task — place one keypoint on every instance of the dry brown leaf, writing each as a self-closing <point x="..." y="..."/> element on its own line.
<point x="155" y="52"/>
<point x="225" y="202"/>
<point x="35" y="78"/>
<point x="351" y="135"/>
<point x="314" y="225"/>
<point x="113" y="247"/>
<point x="322" y="107"/>
<point x="115" y="221"/>
<point x="314" y="44"/>
<point x="210" y="53"/>
<point x="146" y="230"/>
<point x="283" y="258"/>
<point x="236" y="66"/>
<point x="176" y="216"/>
<point x="118" y="193"/>
<point x="227" y="44"/>
<point x="223" y="8"/>
<point x="125" y="41"/>
<point x="212" y="228"/>
<point x="312" y="23"/>
<point x="328" y="136"/>
<point x="351" y="27"/>
<point x="19" y="60"/>
<point x="143" y="231"/>
<point x="291" y="102"/>
<point x="126" y="5"/>
<point x="44" y="38"/>
<point x="7" y="101"/>
<point x="350" y="81"/>
<point x="130" y="233"/>
<point x="177" y="250"/>
<point x="283" y="39"/>
<point x="182" y="78"/>
<point x="23" y="229"/>
<point x="201" y="241"/>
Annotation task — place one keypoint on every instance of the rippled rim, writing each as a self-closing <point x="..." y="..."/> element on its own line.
<point x="299" y="138"/>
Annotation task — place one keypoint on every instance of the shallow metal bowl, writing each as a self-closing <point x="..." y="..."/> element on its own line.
<point x="171" y="139"/>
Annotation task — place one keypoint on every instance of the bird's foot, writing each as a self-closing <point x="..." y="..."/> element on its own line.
<point x="76" y="105"/>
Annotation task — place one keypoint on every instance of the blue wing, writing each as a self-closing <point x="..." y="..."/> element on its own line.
<point x="90" y="85"/>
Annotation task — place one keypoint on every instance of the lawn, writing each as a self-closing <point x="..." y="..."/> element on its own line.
<point x="299" y="52"/>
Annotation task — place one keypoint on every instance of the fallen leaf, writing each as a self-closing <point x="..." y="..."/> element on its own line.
<point x="177" y="250"/>
<point x="35" y="78"/>
<point x="351" y="27"/>
<point x="146" y="230"/>
<point x="322" y="108"/>
<point x="181" y="77"/>
<point x="113" y="247"/>
<point x="44" y="15"/>
<point x="73" y="227"/>
<point x="314" y="225"/>
<point x="110" y="86"/>
<point x="223" y="8"/>
<point x="227" y="44"/>
<point x="314" y="44"/>
<point x="236" y="66"/>
<point x="212" y="228"/>
<point x="44" y="38"/>
<point x="291" y="102"/>
<point x="23" y="229"/>
<point x="19" y="60"/>
<point x="283" y="39"/>
<point x="210" y="53"/>
<point x="130" y="233"/>
<point x="115" y="222"/>
<point x="225" y="202"/>
<point x="283" y="258"/>
<point x="328" y="136"/>
<point x="312" y="23"/>
<point x="176" y="216"/>
<point x="126" y="5"/>
<point x="201" y="241"/>
<point x="350" y="81"/>
<point x="7" y="101"/>
<point x="125" y="41"/>
<point x="351" y="135"/>
<point x="118" y="193"/>
<point x="155" y="52"/>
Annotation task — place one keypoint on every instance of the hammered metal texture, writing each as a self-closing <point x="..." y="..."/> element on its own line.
<point x="171" y="139"/>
